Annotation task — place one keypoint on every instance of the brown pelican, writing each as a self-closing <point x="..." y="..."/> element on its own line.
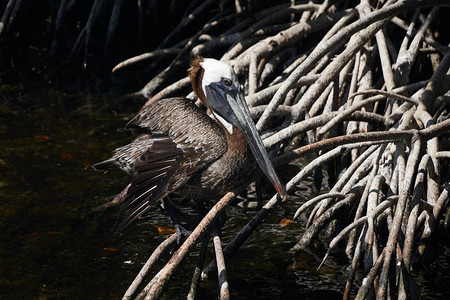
<point x="183" y="149"/>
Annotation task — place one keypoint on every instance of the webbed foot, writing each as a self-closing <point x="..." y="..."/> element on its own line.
<point x="182" y="233"/>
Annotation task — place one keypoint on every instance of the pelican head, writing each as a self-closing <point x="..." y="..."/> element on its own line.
<point x="216" y="84"/>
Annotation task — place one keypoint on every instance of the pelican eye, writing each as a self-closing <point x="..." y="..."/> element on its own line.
<point x="227" y="81"/>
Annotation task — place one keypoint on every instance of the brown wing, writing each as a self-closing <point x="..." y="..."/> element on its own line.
<point x="178" y="139"/>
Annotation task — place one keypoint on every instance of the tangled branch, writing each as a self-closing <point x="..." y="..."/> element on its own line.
<point x="365" y="87"/>
<point x="395" y="139"/>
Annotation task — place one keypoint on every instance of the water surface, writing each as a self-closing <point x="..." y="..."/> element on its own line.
<point x="52" y="244"/>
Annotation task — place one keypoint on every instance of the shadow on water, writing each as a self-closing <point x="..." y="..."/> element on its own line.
<point x="50" y="244"/>
<point x="53" y="246"/>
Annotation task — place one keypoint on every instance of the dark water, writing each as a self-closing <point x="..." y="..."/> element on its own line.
<point x="53" y="246"/>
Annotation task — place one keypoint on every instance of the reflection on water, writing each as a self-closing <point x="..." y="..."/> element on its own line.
<point x="53" y="246"/>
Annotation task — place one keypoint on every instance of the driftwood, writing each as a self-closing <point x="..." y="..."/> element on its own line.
<point x="336" y="79"/>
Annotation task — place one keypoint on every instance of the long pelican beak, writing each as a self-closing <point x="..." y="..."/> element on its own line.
<point x="228" y="104"/>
